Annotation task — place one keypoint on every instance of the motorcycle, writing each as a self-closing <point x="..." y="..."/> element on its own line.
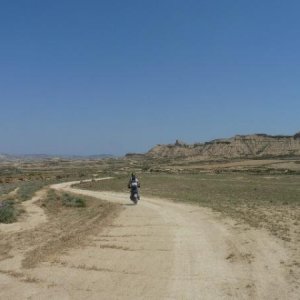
<point x="134" y="193"/>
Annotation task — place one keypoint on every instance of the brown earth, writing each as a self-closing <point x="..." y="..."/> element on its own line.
<point x="240" y="146"/>
<point x="155" y="250"/>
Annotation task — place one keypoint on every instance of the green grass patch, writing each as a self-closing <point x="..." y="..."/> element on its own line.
<point x="57" y="200"/>
<point x="28" y="189"/>
<point x="6" y="188"/>
<point x="72" y="201"/>
<point x="8" y="212"/>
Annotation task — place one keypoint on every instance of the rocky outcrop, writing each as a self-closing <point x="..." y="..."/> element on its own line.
<point x="240" y="146"/>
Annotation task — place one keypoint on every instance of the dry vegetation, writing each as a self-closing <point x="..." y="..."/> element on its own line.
<point x="256" y="192"/>
<point x="70" y="218"/>
<point x="68" y="225"/>
<point x="19" y="181"/>
<point x="261" y="193"/>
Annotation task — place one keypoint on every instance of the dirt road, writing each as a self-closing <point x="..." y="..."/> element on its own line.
<point x="160" y="250"/>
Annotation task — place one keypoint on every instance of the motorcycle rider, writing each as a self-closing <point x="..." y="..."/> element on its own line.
<point x="134" y="185"/>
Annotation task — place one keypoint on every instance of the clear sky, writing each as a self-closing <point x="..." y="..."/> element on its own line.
<point x="116" y="76"/>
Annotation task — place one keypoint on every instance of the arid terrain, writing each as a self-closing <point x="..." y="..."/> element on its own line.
<point x="239" y="146"/>
<point x="223" y="229"/>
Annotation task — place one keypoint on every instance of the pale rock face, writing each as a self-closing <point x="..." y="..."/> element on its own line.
<point x="240" y="146"/>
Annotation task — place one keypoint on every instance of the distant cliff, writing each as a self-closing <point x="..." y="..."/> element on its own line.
<point x="240" y="146"/>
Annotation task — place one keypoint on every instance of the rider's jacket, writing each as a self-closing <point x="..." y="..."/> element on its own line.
<point x="133" y="183"/>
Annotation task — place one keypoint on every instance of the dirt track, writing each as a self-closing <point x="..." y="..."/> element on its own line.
<point x="161" y="250"/>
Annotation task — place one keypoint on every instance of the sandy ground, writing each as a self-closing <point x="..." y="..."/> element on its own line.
<point x="34" y="215"/>
<point x="158" y="250"/>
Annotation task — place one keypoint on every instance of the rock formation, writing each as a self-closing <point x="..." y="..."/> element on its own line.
<point x="240" y="146"/>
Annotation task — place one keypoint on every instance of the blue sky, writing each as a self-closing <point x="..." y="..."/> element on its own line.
<point x="88" y="77"/>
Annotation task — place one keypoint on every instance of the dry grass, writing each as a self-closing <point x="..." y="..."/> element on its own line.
<point x="260" y="201"/>
<point x="67" y="227"/>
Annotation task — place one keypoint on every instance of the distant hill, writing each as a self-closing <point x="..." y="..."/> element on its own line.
<point x="39" y="157"/>
<point x="239" y="146"/>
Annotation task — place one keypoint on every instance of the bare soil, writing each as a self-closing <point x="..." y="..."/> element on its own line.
<point x="157" y="249"/>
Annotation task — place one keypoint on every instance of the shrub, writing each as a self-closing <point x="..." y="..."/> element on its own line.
<point x="6" y="188"/>
<point x="27" y="190"/>
<point x="72" y="201"/>
<point x="8" y="212"/>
